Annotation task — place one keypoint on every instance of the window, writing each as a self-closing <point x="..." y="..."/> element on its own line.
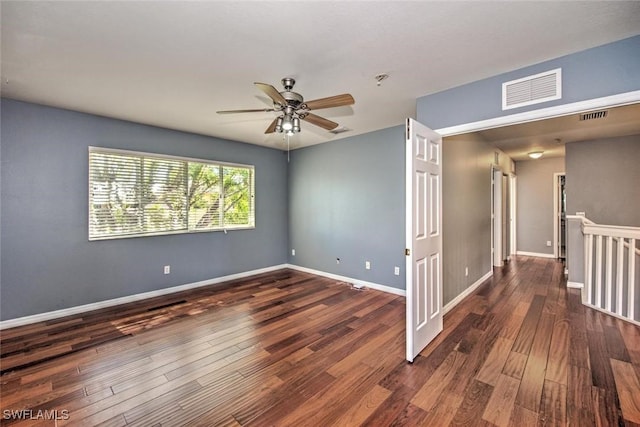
<point x="136" y="194"/>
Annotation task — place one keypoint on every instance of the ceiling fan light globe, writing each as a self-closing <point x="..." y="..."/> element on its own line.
<point x="287" y="124"/>
<point x="278" y="127"/>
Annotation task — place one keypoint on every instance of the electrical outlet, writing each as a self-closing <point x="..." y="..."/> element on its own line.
<point x="466" y="271"/>
<point x="396" y="271"/>
<point x="167" y="269"/>
<point x="367" y="265"/>
<point x="293" y="252"/>
<point x="549" y="243"/>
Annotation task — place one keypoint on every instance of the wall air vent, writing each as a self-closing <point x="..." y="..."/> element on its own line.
<point x="593" y="115"/>
<point x="531" y="90"/>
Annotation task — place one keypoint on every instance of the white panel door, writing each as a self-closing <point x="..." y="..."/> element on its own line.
<point x="423" y="236"/>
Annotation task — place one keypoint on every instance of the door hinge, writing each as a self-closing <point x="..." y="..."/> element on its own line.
<point x="407" y="252"/>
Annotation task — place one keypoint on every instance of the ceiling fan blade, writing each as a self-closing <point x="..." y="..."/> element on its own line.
<point x="259" y="110"/>
<point x="329" y="102"/>
<point x="272" y="93"/>
<point x="272" y="126"/>
<point x="319" y="121"/>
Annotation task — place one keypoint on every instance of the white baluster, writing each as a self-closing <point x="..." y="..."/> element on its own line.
<point x="609" y="277"/>
<point x="599" y="271"/>
<point x="588" y="267"/>
<point x="619" y="274"/>
<point x="631" y="294"/>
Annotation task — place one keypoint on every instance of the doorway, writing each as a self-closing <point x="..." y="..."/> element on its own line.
<point x="560" y="126"/>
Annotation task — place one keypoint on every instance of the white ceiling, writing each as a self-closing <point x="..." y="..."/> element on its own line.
<point x="174" y="64"/>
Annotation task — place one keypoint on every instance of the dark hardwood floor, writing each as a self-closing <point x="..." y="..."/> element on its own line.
<point x="290" y="348"/>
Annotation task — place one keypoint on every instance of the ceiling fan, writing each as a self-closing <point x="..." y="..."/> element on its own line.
<point x="294" y="108"/>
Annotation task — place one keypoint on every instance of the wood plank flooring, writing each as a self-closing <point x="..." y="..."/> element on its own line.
<point x="289" y="348"/>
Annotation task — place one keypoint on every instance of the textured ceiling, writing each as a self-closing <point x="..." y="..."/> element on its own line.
<point x="174" y="64"/>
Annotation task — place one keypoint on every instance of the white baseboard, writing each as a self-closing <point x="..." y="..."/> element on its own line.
<point x="536" y="254"/>
<point x="575" y="285"/>
<point x="466" y="292"/>
<point x="42" y="317"/>
<point x="356" y="282"/>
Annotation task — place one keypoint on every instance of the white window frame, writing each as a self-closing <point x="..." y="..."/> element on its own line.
<point x="147" y="155"/>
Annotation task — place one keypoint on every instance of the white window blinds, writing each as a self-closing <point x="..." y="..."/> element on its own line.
<point x="136" y="194"/>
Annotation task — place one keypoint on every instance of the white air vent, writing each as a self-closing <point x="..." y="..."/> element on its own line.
<point x="339" y="130"/>
<point x="531" y="90"/>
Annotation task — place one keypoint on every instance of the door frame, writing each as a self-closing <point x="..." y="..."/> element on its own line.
<point x="513" y="209"/>
<point x="504" y="225"/>
<point x="611" y="101"/>
<point x="556" y="213"/>
<point x="496" y="216"/>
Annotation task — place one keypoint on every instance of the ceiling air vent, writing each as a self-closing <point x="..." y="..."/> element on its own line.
<point x="593" y="115"/>
<point x="339" y="130"/>
<point x="531" y="90"/>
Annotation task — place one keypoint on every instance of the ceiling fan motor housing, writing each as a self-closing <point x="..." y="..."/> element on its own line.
<point x="288" y="83"/>
<point x="293" y="99"/>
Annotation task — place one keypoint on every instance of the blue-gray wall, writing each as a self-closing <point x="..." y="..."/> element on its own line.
<point x="593" y="73"/>
<point x="467" y="162"/>
<point x="603" y="180"/>
<point x="47" y="262"/>
<point x="346" y="200"/>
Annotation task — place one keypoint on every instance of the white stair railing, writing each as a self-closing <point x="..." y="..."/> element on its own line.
<point x="612" y="261"/>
